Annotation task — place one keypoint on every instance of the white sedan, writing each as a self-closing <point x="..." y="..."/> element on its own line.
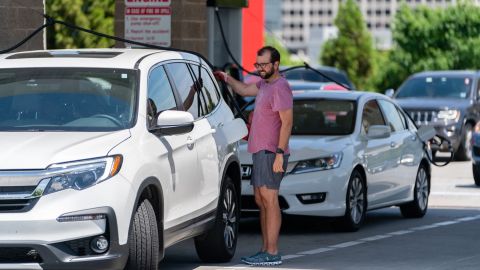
<point x="350" y="152"/>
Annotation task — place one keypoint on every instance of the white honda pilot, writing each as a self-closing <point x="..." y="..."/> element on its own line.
<point x="109" y="156"/>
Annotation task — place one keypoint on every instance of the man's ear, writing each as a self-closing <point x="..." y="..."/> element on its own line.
<point x="277" y="64"/>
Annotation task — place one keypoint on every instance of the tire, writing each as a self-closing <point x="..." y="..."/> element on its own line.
<point x="356" y="204"/>
<point x="464" y="151"/>
<point x="219" y="243"/>
<point x="143" y="239"/>
<point x="476" y="174"/>
<point x="418" y="207"/>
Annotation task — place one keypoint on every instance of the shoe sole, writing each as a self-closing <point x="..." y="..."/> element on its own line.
<point x="263" y="263"/>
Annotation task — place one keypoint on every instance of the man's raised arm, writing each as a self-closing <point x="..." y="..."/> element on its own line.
<point x="239" y="87"/>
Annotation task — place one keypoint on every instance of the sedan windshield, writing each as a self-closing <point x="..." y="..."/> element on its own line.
<point x="323" y="117"/>
<point x="67" y="99"/>
<point x="436" y="87"/>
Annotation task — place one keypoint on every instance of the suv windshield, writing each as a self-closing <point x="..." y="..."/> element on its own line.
<point x="323" y="117"/>
<point x="436" y="87"/>
<point x="67" y="99"/>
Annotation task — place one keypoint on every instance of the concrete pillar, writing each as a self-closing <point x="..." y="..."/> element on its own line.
<point x="18" y="19"/>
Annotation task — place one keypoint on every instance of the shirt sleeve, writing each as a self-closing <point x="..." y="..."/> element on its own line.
<point x="282" y="98"/>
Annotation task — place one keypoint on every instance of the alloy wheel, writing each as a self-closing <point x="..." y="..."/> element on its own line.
<point x="229" y="218"/>
<point x="422" y="188"/>
<point x="356" y="200"/>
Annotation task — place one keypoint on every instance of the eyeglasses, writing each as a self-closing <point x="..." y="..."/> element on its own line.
<point x="262" y="65"/>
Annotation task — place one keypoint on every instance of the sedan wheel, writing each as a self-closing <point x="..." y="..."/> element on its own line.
<point x="418" y="207"/>
<point x="356" y="204"/>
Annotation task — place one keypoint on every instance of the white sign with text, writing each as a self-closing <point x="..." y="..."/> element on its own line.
<point x="149" y="23"/>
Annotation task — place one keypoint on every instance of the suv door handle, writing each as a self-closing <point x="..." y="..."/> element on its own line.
<point x="190" y="143"/>
<point x="393" y="144"/>
<point x="414" y="138"/>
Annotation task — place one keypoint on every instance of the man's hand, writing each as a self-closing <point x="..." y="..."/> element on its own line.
<point x="278" y="164"/>
<point x="220" y="75"/>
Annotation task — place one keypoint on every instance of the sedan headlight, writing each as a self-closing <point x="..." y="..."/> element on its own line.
<point x="318" y="164"/>
<point x="449" y="114"/>
<point x="82" y="174"/>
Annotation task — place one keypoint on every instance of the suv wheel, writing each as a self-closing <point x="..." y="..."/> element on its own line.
<point x="356" y="204"/>
<point x="464" y="152"/>
<point x="418" y="207"/>
<point x="219" y="243"/>
<point x="143" y="239"/>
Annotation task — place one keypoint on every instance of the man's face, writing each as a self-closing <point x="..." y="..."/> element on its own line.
<point x="264" y="66"/>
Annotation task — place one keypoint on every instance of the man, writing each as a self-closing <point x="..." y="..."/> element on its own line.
<point x="268" y="143"/>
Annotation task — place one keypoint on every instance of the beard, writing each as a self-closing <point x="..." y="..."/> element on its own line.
<point x="266" y="75"/>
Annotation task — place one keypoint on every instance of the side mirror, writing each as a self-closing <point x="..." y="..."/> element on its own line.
<point x="173" y="123"/>
<point x="389" y="92"/>
<point x="378" y="132"/>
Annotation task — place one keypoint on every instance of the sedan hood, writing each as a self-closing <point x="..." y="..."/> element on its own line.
<point x="37" y="150"/>
<point x="306" y="147"/>
<point x="432" y="103"/>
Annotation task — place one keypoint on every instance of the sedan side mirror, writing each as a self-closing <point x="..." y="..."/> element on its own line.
<point x="378" y="132"/>
<point x="389" y="92"/>
<point x="173" y="123"/>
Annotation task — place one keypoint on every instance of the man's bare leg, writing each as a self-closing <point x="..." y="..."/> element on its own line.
<point x="273" y="219"/>
<point x="263" y="216"/>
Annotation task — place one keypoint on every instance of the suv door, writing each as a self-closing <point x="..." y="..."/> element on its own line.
<point x="207" y="100"/>
<point x="181" y="153"/>
<point x="202" y="186"/>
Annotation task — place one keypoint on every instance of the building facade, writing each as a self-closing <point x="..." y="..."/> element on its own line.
<point x="18" y="19"/>
<point x="301" y="18"/>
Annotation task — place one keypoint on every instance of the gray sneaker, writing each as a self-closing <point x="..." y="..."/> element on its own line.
<point x="264" y="259"/>
<point x="243" y="259"/>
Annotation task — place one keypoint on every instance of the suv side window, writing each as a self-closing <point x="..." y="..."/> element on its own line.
<point x="160" y="93"/>
<point x="208" y="94"/>
<point x="392" y="116"/>
<point x="186" y="88"/>
<point x="371" y="115"/>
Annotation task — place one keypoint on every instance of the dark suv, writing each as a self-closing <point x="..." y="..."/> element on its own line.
<point x="446" y="100"/>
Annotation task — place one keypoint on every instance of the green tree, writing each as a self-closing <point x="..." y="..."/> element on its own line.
<point x="352" y="50"/>
<point x="97" y="15"/>
<point x="432" y="39"/>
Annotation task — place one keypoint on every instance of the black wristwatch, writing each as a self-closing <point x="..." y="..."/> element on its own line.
<point x="280" y="151"/>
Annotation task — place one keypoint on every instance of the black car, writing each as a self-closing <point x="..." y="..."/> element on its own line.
<point x="447" y="100"/>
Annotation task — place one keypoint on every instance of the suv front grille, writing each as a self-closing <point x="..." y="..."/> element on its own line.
<point x="423" y="117"/>
<point x="19" y="255"/>
<point x="15" y="205"/>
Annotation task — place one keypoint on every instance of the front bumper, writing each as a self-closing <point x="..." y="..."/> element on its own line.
<point x="70" y="254"/>
<point x="331" y="182"/>
<point x="35" y="239"/>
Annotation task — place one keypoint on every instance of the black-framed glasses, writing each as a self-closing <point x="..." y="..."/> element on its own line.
<point x="261" y="65"/>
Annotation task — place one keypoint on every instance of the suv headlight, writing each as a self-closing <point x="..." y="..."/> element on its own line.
<point x="82" y="174"/>
<point x="318" y="164"/>
<point x="449" y="114"/>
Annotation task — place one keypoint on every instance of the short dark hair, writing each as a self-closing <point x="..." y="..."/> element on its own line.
<point x="274" y="54"/>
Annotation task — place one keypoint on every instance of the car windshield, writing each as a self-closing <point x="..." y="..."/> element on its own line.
<point x="436" y="87"/>
<point x="67" y="99"/>
<point x="311" y="76"/>
<point x="323" y="117"/>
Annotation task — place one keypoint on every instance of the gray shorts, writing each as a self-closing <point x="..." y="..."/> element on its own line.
<point x="262" y="171"/>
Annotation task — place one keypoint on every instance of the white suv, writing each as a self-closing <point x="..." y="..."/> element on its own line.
<point x="110" y="156"/>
